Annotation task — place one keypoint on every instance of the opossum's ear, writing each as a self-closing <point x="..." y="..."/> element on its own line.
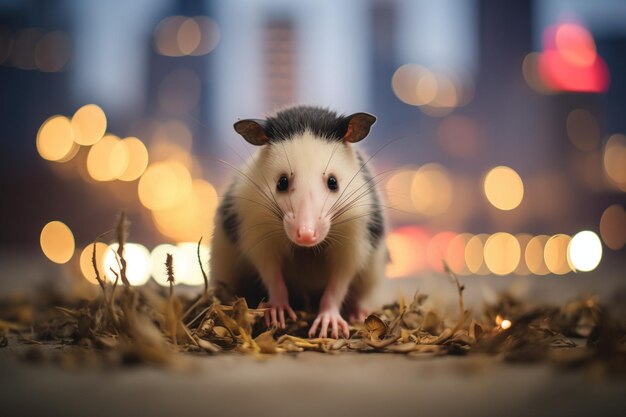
<point x="252" y="130"/>
<point x="359" y="125"/>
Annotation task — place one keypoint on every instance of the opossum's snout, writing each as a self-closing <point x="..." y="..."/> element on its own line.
<point x="304" y="225"/>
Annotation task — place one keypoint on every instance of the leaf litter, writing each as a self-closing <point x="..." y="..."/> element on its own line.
<point x="126" y="325"/>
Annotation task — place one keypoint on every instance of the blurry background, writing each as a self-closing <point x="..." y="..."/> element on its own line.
<point x="510" y="120"/>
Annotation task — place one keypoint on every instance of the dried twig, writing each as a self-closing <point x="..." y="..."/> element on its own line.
<point x="121" y="240"/>
<point x="460" y="287"/>
<point x="204" y="276"/>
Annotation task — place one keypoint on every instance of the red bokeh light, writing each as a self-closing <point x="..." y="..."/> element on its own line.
<point x="570" y="62"/>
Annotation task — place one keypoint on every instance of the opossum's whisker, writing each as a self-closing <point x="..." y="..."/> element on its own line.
<point x="267" y="236"/>
<point x="369" y="182"/>
<point x="363" y="166"/>
<point x="355" y="217"/>
<point x="291" y="171"/>
<point x="348" y="205"/>
<point x="268" y="223"/>
<point x="324" y="173"/>
<point x="271" y="201"/>
<point x="269" y="208"/>
<point x="334" y="241"/>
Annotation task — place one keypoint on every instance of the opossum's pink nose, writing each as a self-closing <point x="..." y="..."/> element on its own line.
<point x="306" y="235"/>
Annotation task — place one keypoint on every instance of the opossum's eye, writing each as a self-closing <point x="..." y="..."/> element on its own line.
<point x="333" y="185"/>
<point x="283" y="183"/>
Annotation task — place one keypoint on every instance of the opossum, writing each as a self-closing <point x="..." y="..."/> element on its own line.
<point x="302" y="221"/>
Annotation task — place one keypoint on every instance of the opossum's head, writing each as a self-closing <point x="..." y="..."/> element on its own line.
<point x="308" y="167"/>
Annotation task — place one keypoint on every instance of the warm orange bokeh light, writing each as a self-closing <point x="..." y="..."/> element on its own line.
<point x="504" y="188"/>
<point x="502" y="253"/>
<point x="55" y="138"/>
<point x="57" y="242"/>
<point x="107" y="159"/>
<point x="137" y="155"/>
<point x="89" y="124"/>
<point x="555" y="254"/>
<point x="613" y="227"/>
<point x="164" y="184"/>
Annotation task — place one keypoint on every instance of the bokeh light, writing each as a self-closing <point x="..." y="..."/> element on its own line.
<point x="190" y="217"/>
<point x="177" y="36"/>
<point x="23" y="51"/>
<point x="188" y="36"/>
<point x="504" y="188"/>
<point x="137" y="263"/>
<point x="534" y="255"/>
<point x="404" y="82"/>
<point x="57" y="242"/>
<point x="575" y="44"/>
<point x="613" y="227"/>
<point x="455" y="254"/>
<point x="502" y="253"/>
<point x="426" y="87"/>
<point x="210" y="38"/>
<point x="523" y="239"/>
<point x="585" y="251"/>
<point x="615" y="160"/>
<point x="86" y="266"/>
<point x="437" y="250"/>
<point x="530" y="71"/>
<point x="164" y="184"/>
<point x="137" y="156"/>
<point x="107" y="159"/>
<point x="569" y="61"/>
<point x="89" y="124"/>
<point x="53" y="51"/>
<point x="475" y="254"/>
<point x="193" y="274"/>
<point x="407" y="251"/>
<point x="555" y="254"/>
<point x="583" y="129"/>
<point x="55" y="138"/>
<point x="431" y="190"/>
<point x="398" y="190"/>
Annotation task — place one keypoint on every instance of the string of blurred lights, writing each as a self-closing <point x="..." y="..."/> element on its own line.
<point x="34" y="49"/>
<point x="412" y="249"/>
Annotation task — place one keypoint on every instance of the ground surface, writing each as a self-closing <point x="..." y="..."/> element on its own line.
<point x="313" y="384"/>
<point x="310" y="384"/>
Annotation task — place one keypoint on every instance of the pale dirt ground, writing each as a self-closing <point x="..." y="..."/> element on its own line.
<point x="313" y="384"/>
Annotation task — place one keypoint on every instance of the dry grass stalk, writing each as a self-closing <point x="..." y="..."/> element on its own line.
<point x="460" y="288"/>
<point x="169" y="268"/>
<point x="121" y="240"/>
<point x="204" y="275"/>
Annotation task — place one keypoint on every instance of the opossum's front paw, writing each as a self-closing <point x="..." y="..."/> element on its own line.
<point x="275" y="314"/>
<point x="330" y="318"/>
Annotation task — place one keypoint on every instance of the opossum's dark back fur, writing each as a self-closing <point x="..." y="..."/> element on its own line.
<point x="321" y="122"/>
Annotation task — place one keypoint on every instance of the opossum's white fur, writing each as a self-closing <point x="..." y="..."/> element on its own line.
<point x="263" y="245"/>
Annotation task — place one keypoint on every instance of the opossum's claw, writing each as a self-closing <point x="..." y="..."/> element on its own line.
<point x="332" y="319"/>
<point x="275" y="314"/>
